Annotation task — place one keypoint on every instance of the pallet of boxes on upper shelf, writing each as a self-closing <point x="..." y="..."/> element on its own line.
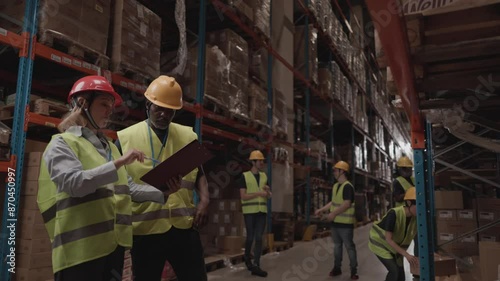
<point x="33" y="246"/>
<point x="76" y="27"/>
<point x="136" y="40"/>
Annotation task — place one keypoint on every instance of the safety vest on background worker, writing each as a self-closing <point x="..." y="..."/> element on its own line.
<point x="346" y="217"/>
<point x="406" y="185"/>
<point x="89" y="227"/>
<point x="402" y="236"/>
<point x="258" y="204"/>
<point x="154" y="218"/>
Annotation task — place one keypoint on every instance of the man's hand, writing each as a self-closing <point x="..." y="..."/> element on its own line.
<point x="412" y="260"/>
<point x="130" y="157"/>
<point x="173" y="185"/>
<point x="201" y="216"/>
<point x="318" y="212"/>
<point x="266" y="188"/>
<point x="331" y="216"/>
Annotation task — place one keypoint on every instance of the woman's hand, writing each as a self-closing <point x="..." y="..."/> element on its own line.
<point x="130" y="157"/>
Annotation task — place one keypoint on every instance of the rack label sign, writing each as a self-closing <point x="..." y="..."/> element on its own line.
<point x="55" y="57"/>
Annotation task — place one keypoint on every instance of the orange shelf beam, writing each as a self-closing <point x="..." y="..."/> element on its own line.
<point x="5" y="165"/>
<point x="11" y="39"/>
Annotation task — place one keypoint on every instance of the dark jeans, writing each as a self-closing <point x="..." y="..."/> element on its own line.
<point x="108" y="268"/>
<point x="396" y="272"/>
<point x="181" y="247"/>
<point x="255" y="225"/>
<point x="344" y="236"/>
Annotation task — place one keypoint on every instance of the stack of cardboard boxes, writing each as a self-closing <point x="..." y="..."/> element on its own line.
<point x="33" y="247"/>
<point x="280" y="110"/>
<point x="488" y="210"/>
<point x="453" y="221"/>
<point x="257" y="102"/>
<point x="136" y="39"/>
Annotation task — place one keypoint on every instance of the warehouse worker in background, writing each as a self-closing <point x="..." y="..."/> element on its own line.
<point x="390" y="237"/>
<point x="342" y="216"/>
<point x="254" y="192"/>
<point x="166" y="231"/>
<point x="83" y="191"/>
<point x="403" y="181"/>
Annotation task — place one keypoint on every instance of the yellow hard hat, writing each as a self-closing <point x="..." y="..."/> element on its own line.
<point x="411" y="194"/>
<point x="165" y="92"/>
<point x="256" y="155"/>
<point x="342" y="165"/>
<point x="404" y="162"/>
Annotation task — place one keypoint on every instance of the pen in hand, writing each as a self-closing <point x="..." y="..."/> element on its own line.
<point x="154" y="160"/>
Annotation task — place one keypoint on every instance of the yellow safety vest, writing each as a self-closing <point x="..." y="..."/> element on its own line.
<point x="402" y="236"/>
<point x="85" y="228"/>
<point x="406" y="185"/>
<point x="346" y="217"/>
<point x="258" y="204"/>
<point x="154" y="218"/>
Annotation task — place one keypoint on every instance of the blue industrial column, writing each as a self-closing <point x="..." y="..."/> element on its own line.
<point x="14" y="175"/>
<point x="270" y="101"/>
<point x="425" y="205"/>
<point x="200" y="82"/>
<point x="308" y="120"/>
<point x="200" y="74"/>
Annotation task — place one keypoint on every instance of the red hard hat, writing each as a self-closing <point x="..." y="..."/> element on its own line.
<point x="94" y="83"/>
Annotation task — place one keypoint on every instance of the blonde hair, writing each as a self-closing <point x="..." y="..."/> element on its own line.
<point x="73" y="118"/>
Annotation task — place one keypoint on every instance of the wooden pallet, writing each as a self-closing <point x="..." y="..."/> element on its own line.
<point x="280" y="135"/>
<point x="49" y="108"/>
<point x="132" y="72"/>
<point x="67" y="45"/>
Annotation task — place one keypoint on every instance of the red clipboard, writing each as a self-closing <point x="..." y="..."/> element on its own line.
<point x="188" y="158"/>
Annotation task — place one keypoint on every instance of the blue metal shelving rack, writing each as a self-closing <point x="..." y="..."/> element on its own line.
<point x="270" y="109"/>
<point x="307" y="118"/>
<point x="11" y="203"/>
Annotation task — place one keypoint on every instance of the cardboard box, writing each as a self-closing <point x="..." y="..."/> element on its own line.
<point x="446" y="215"/>
<point x="235" y="205"/>
<point x="449" y="200"/>
<point x="489" y="255"/>
<point x="32" y="231"/>
<point x="491" y="234"/>
<point x="223" y="205"/>
<point x="299" y="58"/>
<point x="35" y="246"/>
<point x="34" y="146"/>
<point x="487" y="215"/>
<point x="227" y="218"/>
<point x="136" y="38"/>
<point x="31" y="173"/>
<point x="33" y="158"/>
<point x="443" y="266"/>
<point x="215" y="218"/>
<point x="466" y="215"/>
<point x="27" y="216"/>
<point x="30" y="187"/>
<point x="29" y="202"/>
<point x="34" y="274"/>
<point x="33" y="261"/>
<point x="488" y="204"/>
<point x="233" y="244"/>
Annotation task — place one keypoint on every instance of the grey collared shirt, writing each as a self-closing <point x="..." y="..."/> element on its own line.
<point x="67" y="172"/>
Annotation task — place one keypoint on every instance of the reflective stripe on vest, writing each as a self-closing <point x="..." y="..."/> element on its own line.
<point x="347" y="217"/>
<point x="86" y="228"/>
<point x="379" y="245"/>
<point x="406" y="185"/>
<point x="258" y="204"/>
<point x="149" y="217"/>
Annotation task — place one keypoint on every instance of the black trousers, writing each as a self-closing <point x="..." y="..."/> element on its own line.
<point x="255" y="225"/>
<point x="396" y="272"/>
<point x="181" y="247"/>
<point x="108" y="268"/>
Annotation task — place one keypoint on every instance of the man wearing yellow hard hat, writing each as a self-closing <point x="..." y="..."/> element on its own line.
<point x="166" y="232"/>
<point x="390" y="238"/>
<point x="254" y="192"/>
<point x="403" y="181"/>
<point x="342" y="216"/>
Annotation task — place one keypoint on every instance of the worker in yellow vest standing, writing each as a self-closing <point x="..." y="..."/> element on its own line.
<point x="341" y="213"/>
<point x="403" y="181"/>
<point x="390" y="237"/>
<point x="166" y="232"/>
<point x="84" y="192"/>
<point x="254" y="192"/>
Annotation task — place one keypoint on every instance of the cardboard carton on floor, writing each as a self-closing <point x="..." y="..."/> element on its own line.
<point x="489" y="255"/>
<point x="443" y="266"/>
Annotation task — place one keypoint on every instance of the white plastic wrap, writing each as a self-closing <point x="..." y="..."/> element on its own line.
<point x="282" y="188"/>
<point x="180" y="20"/>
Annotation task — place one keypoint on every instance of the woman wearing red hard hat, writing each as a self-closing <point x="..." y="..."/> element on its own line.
<point x="84" y="190"/>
